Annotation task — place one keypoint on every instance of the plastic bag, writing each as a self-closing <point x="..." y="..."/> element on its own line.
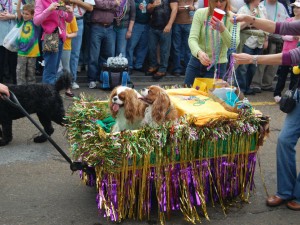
<point x="11" y="40"/>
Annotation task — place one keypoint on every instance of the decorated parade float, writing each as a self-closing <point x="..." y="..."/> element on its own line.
<point x="205" y="157"/>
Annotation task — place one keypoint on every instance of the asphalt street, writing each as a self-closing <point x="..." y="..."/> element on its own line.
<point x="37" y="186"/>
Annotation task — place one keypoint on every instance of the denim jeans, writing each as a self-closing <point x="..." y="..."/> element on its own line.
<point x="196" y="69"/>
<point x="52" y="60"/>
<point x="245" y="73"/>
<point x="137" y="46"/>
<point x="288" y="182"/>
<point x="120" y="41"/>
<point x="164" y="40"/>
<point x="65" y="60"/>
<point x="180" y="36"/>
<point x="75" y="52"/>
<point x="101" y="39"/>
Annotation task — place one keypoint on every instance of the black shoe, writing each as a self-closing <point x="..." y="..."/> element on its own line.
<point x="140" y="69"/>
<point x="176" y="74"/>
<point x="270" y="89"/>
<point x="249" y="92"/>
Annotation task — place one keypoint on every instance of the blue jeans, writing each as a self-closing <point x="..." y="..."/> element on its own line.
<point x="180" y="36"/>
<point x="52" y="60"/>
<point x="75" y="52"/>
<point x="164" y="40"/>
<point x="101" y="39"/>
<point x="288" y="182"/>
<point x="137" y="45"/>
<point x="196" y="69"/>
<point x="120" y="41"/>
<point x="245" y="73"/>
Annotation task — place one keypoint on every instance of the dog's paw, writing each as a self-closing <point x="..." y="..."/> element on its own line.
<point x="40" y="139"/>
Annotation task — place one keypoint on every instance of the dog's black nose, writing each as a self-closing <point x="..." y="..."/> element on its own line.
<point x="115" y="98"/>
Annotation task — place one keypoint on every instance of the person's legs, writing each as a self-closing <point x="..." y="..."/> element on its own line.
<point x="132" y="43"/>
<point x="192" y="71"/>
<point x="286" y="156"/>
<point x="121" y="42"/>
<point x="281" y="79"/>
<point x="21" y="70"/>
<point x="65" y="60"/>
<point x="75" y="52"/>
<point x="185" y="44"/>
<point x="52" y="60"/>
<point x="270" y="71"/>
<point x="141" y="49"/>
<point x="177" y="33"/>
<point x="2" y="63"/>
<point x="97" y="34"/>
<point x="165" y="46"/>
<point x="31" y="65"/>
<point x="153" y="41"/>
<point x="12" y="65"/>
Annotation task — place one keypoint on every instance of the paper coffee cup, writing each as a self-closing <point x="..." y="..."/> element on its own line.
<point x="218" y="13"/>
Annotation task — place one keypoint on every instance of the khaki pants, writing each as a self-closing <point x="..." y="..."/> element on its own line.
<point x="265" y="74"/>
<point x="26" y="70"/>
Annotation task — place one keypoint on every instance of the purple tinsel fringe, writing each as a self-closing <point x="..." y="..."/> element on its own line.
<point x="212" y="171"/>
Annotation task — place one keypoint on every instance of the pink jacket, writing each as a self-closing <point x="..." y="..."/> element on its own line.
<point x="289" y="41"/>
<point x="50" y="20"/>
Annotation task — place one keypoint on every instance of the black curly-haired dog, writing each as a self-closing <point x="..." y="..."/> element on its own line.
<point x="42" y="99"/>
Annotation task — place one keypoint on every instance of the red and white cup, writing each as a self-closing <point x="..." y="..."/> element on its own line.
<point x="218" y="13"/>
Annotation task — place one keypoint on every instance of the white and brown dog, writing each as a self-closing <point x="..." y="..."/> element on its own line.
<point x="127" y="108"/>
<point x="160" y="107"/>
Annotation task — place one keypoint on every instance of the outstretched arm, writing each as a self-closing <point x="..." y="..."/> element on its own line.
<point x="262" y="24"/>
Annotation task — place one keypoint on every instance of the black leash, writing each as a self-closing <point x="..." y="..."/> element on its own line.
<point x="74" y="166"/>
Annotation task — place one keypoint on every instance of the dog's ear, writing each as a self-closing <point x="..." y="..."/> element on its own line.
<point x="160" y="106"/>
<point x="130" y="105"/>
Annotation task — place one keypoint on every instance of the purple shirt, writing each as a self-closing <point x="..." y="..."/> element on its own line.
<point x="289" y="28"/>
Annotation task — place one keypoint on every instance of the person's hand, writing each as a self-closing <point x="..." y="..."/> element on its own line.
<point x="4" y="90"/>
<point x="216" y="24"/>
<point x="203" y="58"/>
<point x="242" y="58"/>
<point x="167" y="28"/>
<point x="69" y="9"/>
<point x="240" y="18"/>
<point x="53" y="6"/>
<point x="6" y="16"/>
<point x="128" y="34"/>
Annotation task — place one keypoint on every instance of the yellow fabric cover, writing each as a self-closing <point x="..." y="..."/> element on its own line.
<point x="196" y="104"/>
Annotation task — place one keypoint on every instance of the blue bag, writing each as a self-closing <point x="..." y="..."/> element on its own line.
<point x="111" y="77"/>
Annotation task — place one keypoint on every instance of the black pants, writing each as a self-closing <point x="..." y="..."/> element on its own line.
<point x="282" y="76"/>
<point x="8" y="61"/>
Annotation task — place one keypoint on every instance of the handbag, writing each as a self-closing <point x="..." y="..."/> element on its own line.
<point x="11" y="40"/>
<point x="288" y="102"/>
<point x="51" y="41"/>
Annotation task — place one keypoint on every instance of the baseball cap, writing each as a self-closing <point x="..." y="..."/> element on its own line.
<point x="296" y="3"/>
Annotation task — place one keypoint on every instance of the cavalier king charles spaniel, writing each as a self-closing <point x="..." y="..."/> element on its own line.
<point x="160" y="107"/>
<point x="127" y="108"/>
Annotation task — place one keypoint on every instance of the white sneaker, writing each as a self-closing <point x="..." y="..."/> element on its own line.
<point x="277" y="99"/>
<point x="92" y="85"/>
<point x="75" y="86"/>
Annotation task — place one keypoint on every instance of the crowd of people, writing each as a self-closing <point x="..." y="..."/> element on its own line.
<point x="168" y="33"/>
